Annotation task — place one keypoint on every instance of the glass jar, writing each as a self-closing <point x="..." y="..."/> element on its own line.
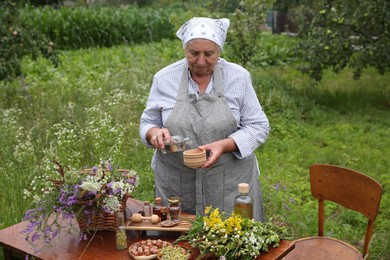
<point x="120" y="235"/>
<point x="164" y="213"/>
<point x="157" y="206"/>
<point x="176" y="144"/>
<point x="147" y="209"/>
<point x="174" y="208"/>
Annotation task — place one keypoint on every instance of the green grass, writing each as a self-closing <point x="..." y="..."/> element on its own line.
<point x="88" y="109"/>
<point x="341" y="122"/>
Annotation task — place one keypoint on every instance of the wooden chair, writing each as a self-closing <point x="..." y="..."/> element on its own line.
<point x="350" y="189"/>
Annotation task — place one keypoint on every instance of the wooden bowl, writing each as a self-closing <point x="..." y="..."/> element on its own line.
<point x="194" y="158"/>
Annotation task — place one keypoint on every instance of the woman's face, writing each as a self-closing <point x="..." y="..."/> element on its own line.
<point x="202" y="56"/>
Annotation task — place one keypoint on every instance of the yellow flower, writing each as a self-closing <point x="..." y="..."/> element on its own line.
<point x="207" y="210"/>
<point x="214" y="219"/>
<point x="232" y="223"/>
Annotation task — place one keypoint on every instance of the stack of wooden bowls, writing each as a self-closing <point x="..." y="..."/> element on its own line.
<point x="194" y="158"/>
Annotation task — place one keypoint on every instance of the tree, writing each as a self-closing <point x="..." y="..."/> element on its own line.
<point x="244" y="32"/>
<point x="285" y="5"/>
<point x="17" y="41"/>
<point x="347" y="33"/>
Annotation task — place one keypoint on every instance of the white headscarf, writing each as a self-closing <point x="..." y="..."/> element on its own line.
<point x="205" y="28"/>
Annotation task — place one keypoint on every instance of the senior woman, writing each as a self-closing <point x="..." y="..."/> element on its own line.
<point x="211" y="101"/>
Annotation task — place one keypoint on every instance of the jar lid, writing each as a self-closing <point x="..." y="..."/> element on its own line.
<point x="243" y="188"/>
<point x="174" y="200"/>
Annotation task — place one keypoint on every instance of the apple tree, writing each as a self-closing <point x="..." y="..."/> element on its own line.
<point x="346" y="33"/>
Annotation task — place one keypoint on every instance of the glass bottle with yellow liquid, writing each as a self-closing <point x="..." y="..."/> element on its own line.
<point x="243" y="203"/>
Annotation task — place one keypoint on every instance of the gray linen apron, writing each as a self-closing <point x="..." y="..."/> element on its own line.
<point x="205" y="119"/>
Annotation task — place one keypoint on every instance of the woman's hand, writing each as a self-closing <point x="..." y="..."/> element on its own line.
<point x="216" y="149"/>
<point x="157" y="136"/>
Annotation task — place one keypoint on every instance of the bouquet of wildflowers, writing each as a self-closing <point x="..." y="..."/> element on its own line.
<point x="76" y="194"/>
<point x="233" y="237"/>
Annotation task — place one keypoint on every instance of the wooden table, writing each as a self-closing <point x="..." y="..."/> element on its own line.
<point x="102" y="246"/>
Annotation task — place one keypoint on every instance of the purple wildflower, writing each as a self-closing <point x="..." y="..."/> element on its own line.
<point x="131" y="181"/>
<point x="286" y="207"/>
<point x="277" y="186"/>
<point x="106" y="210"/>
<point x="35" y="237"/>
<point x="83" y="236"/>
<point x="72" y="200"/>
<point x="109" y="166"/>
<point x="91" y="194"/>
<point x="111" y="190"/>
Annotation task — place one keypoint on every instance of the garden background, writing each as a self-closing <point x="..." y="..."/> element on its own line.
<point x="87" y="108"/>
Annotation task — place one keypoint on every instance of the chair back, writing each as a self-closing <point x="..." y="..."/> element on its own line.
<point x="348" y="188"/>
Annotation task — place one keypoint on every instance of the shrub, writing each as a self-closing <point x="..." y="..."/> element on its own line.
<point x="18" y="40"/>
<point x="74" y="28"/>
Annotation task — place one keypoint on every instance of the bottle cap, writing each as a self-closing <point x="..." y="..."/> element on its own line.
<point x="243" y="187"/>
<point x="174" y="200"/>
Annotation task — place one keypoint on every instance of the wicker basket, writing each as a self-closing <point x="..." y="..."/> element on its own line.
<point x="101" y="221"/>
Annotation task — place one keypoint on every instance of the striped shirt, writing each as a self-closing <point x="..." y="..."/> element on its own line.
<point x="252" y="123"/>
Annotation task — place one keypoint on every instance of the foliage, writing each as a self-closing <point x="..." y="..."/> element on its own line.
<point x="273" y="50"/>
<point x="44" y="2"/>
<point x="233" y="237"/>
<point x="224" y="6"/>
<point x="301" y="16"/>
<point x="244" y="33"/>
<point x="285" y="5"/>
<point x="74" y="194"/>
<point x="74" y="28"/>
<point x="352" y="33"/>
<point x="112" y="3"/>
<point x="18" y="40"/>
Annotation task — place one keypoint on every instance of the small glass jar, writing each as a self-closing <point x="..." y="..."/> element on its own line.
<point x="176" y="144"/>
<point x="147" y="209"/>
<point x="120" y="235"/>
<point x="164" y="213"/>
<point x="157" y="206"/>
<point x="174" y="208"/>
